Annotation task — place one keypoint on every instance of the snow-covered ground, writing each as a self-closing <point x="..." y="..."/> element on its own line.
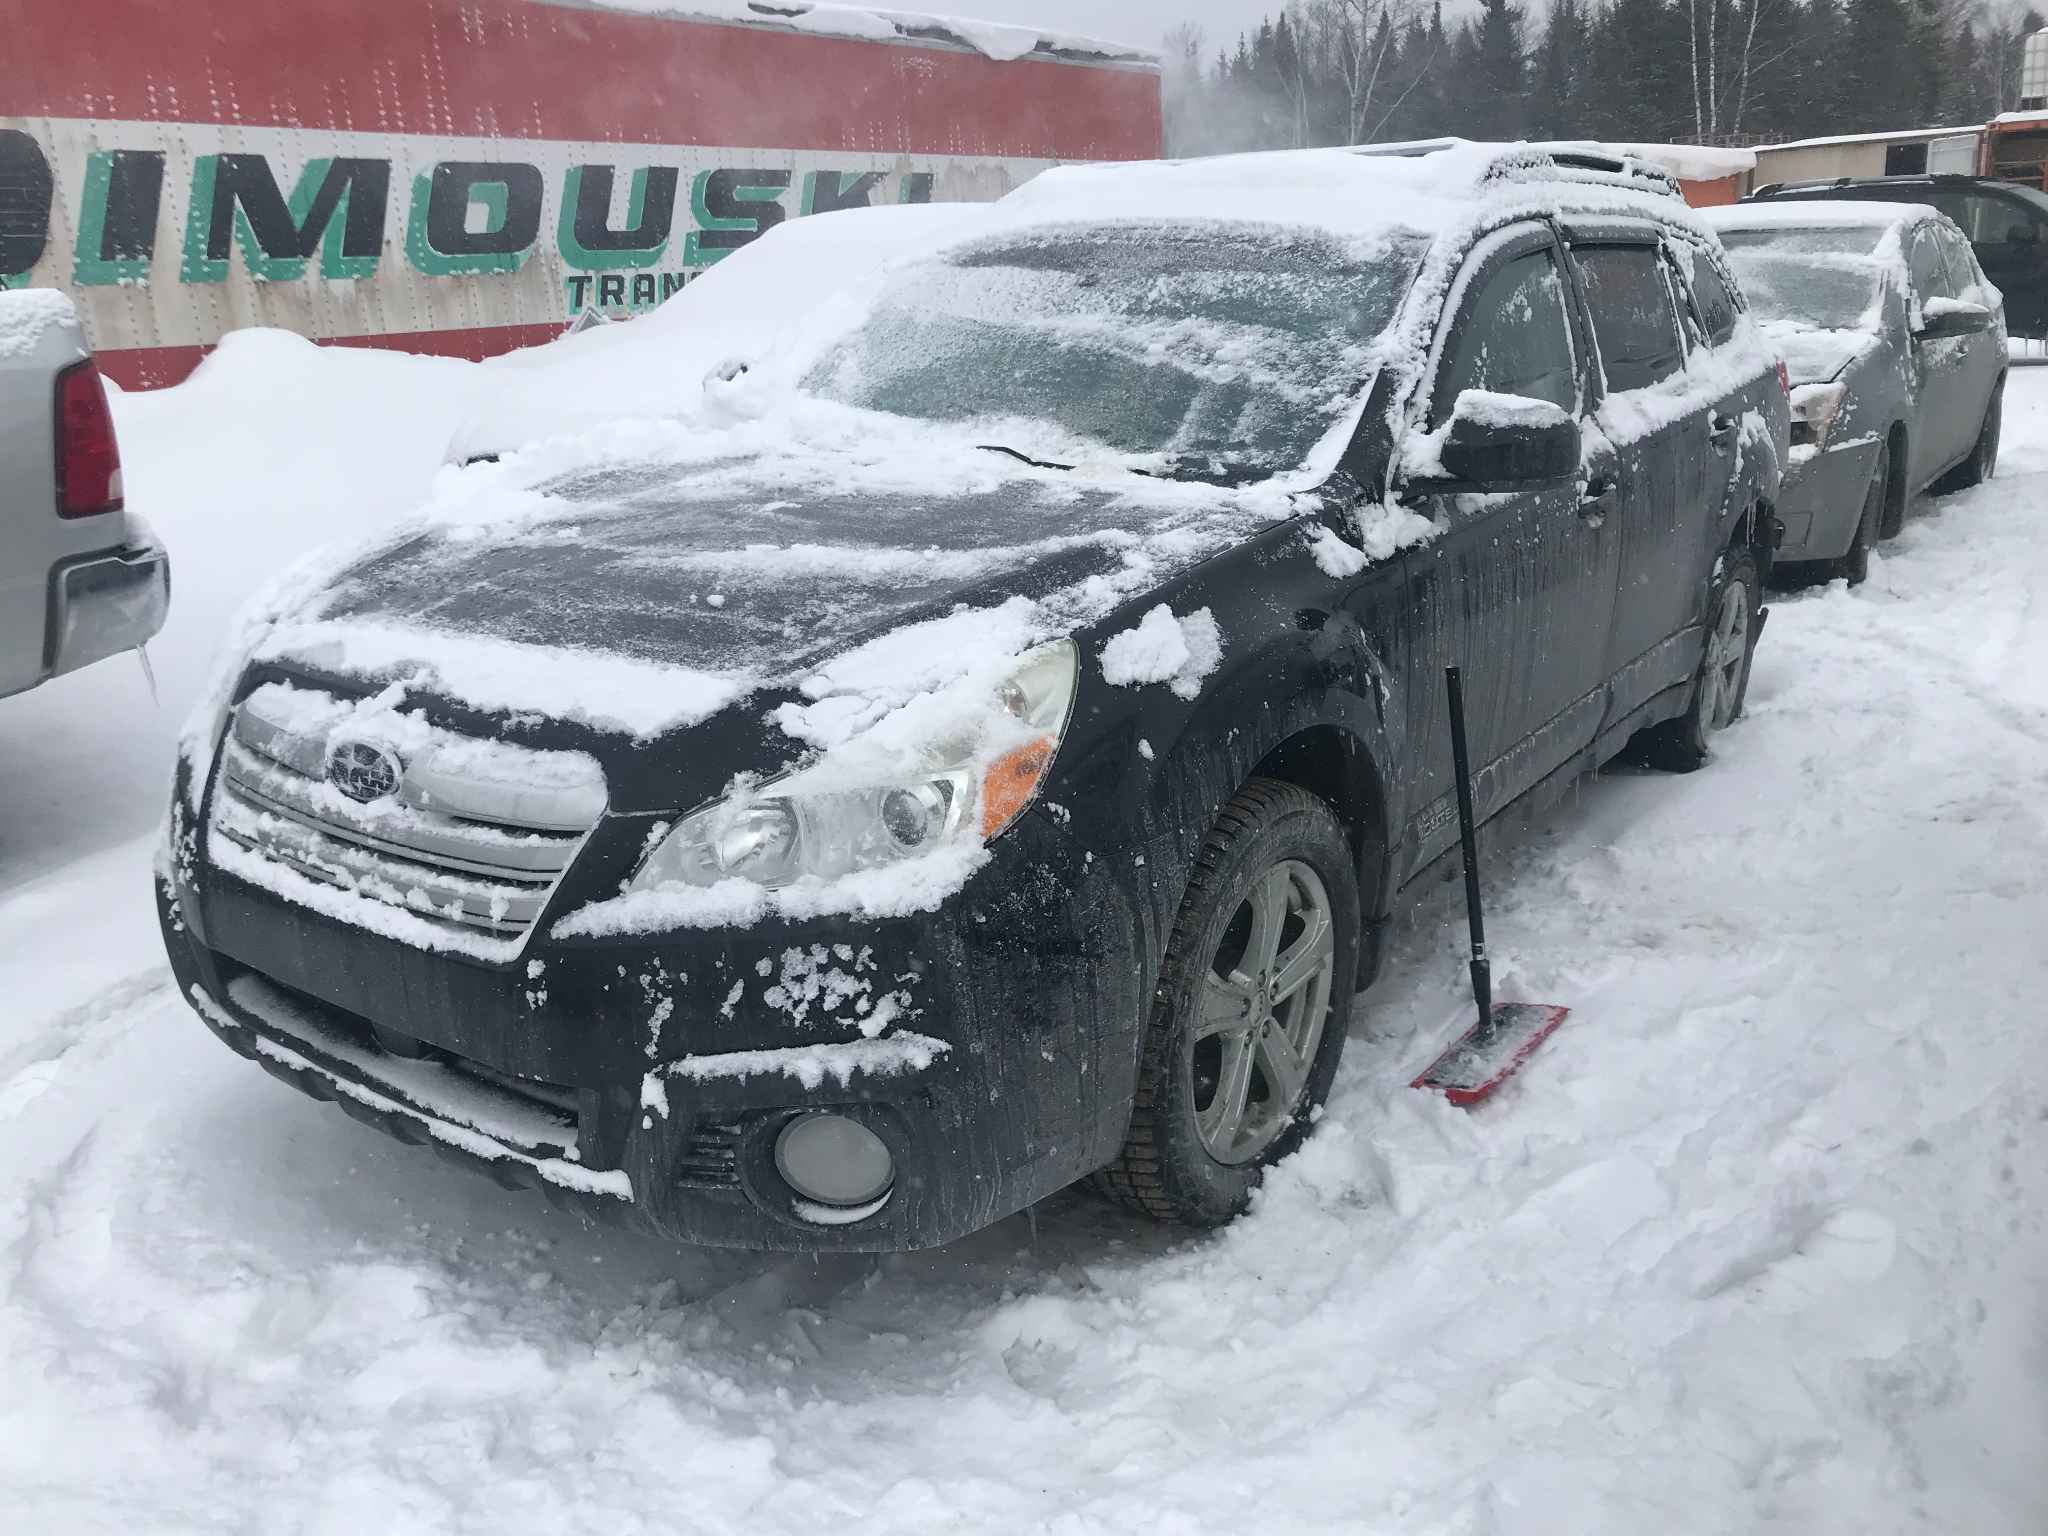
<point x="1755" y="1244"/>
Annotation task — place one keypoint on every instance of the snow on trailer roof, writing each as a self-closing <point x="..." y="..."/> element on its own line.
<point x="1000" y="41"/>
<point x="1894" y="136"/>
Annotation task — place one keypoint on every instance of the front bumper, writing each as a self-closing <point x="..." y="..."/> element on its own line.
<point x="1820" y="499"/>
<point x="103" y="605"/>
<point x="643" y="1080"/>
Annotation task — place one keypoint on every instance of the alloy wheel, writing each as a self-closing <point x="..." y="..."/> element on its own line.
<point x="1727" y="652"/>
<point x="1264" y="1004"/>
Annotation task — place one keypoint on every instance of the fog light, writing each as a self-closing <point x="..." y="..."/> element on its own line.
<point x="834" y="1161"/>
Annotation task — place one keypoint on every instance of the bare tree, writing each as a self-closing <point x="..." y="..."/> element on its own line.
<point x="1356" y="38"/>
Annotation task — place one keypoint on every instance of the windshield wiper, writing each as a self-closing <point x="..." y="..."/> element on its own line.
<point x="1020" y="456"/>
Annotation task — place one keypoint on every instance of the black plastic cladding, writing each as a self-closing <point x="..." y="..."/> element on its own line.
<point x="1038" y="976"/>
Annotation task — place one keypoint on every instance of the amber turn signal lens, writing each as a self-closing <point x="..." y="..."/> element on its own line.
<point x="1010" y="782"/>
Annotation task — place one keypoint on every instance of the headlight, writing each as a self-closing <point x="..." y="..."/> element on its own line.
<point x="829" y="819"/>
<point x="1814" y="410"/>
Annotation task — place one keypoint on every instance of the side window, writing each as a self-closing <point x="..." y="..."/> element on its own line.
<point x="1928" y="271"/>
<point x="1962" y="261"/>
<point x="1715" y="303"/>
<point x="1514" y="337"/>
<point x="1632" y="314"/>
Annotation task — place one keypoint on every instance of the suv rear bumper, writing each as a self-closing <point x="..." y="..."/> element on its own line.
<point x="103" y="605"/>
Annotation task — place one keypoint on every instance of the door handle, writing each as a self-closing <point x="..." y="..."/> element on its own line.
<point x="1599" y="498"/>
<point x="1725" y="428"/>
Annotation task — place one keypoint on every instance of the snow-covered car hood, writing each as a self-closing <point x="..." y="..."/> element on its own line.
<point x="644" y="597"/>
<point x="1816" y="356"/>
<point x="747" y="584"/>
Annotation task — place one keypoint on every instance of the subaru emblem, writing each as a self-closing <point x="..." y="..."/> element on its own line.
<point x="363" y="771"/>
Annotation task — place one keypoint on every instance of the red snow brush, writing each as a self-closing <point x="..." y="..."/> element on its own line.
<point x="1506" y="1034"/>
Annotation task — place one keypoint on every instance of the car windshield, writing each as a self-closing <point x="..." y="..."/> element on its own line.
<point x="1833" y="296"/>
<point x="1174" y="344"/>
<point x="1836" y="240"/>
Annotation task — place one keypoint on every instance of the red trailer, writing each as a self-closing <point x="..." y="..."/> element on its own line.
<point x="467" y="176"/>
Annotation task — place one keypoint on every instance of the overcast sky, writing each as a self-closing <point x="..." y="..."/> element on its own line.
<point x="1122" y="21"/>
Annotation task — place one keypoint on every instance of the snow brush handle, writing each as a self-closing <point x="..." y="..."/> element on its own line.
<point x="1468" y="842"/>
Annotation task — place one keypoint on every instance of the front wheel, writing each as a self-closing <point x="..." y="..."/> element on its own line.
<point x="1684" y="744"/>
<point x="1247" y="1021"/>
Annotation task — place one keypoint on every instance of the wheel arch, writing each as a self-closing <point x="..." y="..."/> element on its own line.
<point x="1335" y="765"/>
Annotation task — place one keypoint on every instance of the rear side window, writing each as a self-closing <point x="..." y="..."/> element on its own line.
<point x="1632" y="315"/>
<point x="1715" y="303"/>
<point x="1515" y="337"/>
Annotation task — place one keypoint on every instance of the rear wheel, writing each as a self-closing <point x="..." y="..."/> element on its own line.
<point x="1247" y="1021"/>
<point x="1982" y="463"/>
<point x="1854" y="567"/>
<point x="1681" y="745"/>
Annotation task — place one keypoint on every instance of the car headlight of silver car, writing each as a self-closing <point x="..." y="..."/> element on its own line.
<point x="838" y="815"/>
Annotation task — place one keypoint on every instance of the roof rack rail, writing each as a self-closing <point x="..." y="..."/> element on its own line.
<point x="1536" y="162"/>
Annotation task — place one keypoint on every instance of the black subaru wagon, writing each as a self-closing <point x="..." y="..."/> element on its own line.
<point x="978" y="747"/>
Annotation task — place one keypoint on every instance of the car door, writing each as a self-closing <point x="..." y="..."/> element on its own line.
<point x="1947" y="423"/>
<point x="1518" y="586"/>
<point x="1660" y="437"/>
<point x="1708" y="313"/>
<point x="1984" y="353"/>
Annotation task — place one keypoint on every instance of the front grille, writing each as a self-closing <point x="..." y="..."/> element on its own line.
<point x="475" y="834"/>
<point x="710" y="1159"/>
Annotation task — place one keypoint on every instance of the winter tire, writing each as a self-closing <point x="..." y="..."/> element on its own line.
<point x="1248" y="1016"/>
<point x="1982" y="463"/>
<point x="1684" y="744"/>
<point x="1854" y="567"/>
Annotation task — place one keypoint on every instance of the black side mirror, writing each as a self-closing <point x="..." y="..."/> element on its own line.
<point x="1497" y="441"/>
<point x="1941" y="319"/>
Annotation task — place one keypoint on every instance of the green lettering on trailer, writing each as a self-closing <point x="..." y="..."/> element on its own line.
<point x="584" y="235"/>
<point x="93" y="266"/>
<point x="495" y="198"/>
<point x="732" y="208"/>
<point x="350" y="238"/>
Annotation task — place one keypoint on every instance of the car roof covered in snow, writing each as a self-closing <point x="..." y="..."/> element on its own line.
<point x="1428" y="189"/>
<point x="1816" y="213"/>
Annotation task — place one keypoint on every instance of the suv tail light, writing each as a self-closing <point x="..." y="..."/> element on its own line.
<point x="1784" y="379"/>
<point x="88" y="459"/>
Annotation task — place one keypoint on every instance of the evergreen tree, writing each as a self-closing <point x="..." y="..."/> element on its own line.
<point x="1557" y="84"/>
<point x="1493" y="57"/>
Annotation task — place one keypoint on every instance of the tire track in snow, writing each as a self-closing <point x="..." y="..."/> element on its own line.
<point x="29" y="1067"/>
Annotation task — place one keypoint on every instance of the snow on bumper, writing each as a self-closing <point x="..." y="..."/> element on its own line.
<point x="643" y="1080"/>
